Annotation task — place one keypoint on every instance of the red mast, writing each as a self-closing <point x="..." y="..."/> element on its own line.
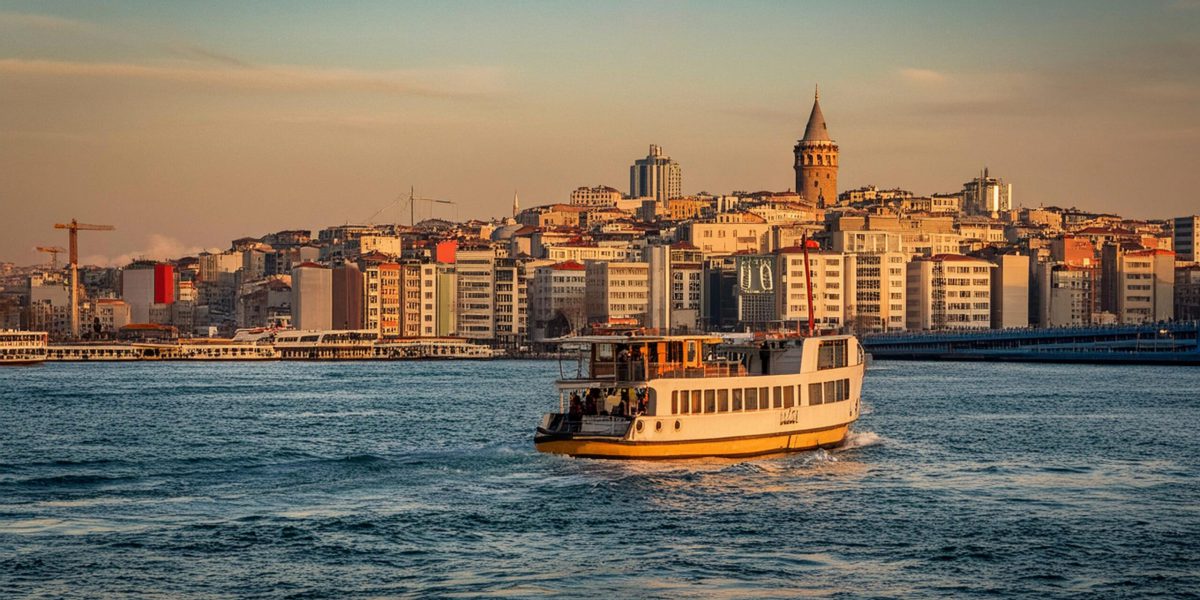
<point x="808" y="282"/>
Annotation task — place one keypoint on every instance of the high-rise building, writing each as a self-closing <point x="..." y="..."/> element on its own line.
<point x="949" y="291"/>
<point x="138" y="289"/>
<point x="675" y="287"/>
<point x="1145" y="286"/>
<point x="312" y="296"/>
<point x="617" y="292"/>
<point x="381" y="299"/>
<point x="556" y="300"/>
<point x="347" y="297"/>
<point x="878" y="284"/>
<point x="830" y="284"/>
<point x="655" y="176"/>
<point x="438" y="300"/>
<point x="1187" y="293"/>
<point x="476" y="277"/>
<point x="1067" y="295"/>
<point x="1187" y="239"/>
<point x="1010" y="292"/>
<point x="816" y="162"/>
<point x="986" y="195"/>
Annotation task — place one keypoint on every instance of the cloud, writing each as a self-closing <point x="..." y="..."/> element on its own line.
<point x="922" y="75"/>
<point x="44" y="23"/>
<point x="445" y="82"/>
<point x="191" y="51"/>
<point x="158" y="247"/>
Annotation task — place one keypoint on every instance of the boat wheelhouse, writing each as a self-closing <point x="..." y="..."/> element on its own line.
<point x="664" y="397"/>
<point x="22" y="347"/>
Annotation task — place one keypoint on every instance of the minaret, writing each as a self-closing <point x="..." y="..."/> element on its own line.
<point x="817" y="160"/>
<point x="516" y="204"/>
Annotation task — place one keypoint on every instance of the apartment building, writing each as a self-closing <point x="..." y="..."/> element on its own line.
<point x="556" y="300"/>
<point x="949" y="291"/>
<point x="616" y="291"/>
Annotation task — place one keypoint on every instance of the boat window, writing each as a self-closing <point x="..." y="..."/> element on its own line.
<point x="604" y="351"/>
<point x="723" y="400"/>
<point x="737" y="399"/>
<point x="710" y="401"/>
<point x="778" y="393"/>
<point x="696" y="402"/>
<point x="675" y="402"/>
<point x="814" y="394"/>
<point x="691" y="352"/>
<point x="837" y="390"/>
<point x="831" y="354"/>
<point x="789" y="399"/>
<point x="751" y="398"/>
<point x="764" y="398"/>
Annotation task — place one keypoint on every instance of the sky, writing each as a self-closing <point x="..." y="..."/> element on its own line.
<point x="189" y="124"/>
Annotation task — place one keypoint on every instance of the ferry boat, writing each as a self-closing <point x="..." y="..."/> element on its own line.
<point x="672" y="397"/>
<point x="22" y="347"/>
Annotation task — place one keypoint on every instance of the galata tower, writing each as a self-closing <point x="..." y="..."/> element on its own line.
<point x="817" y="160"/>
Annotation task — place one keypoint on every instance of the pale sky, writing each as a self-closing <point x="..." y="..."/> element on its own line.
<point x="188" y="124"/>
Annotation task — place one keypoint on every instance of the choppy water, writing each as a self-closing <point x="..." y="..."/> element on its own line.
<point x="306" y="480"/>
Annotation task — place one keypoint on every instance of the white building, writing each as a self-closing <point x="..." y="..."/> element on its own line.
<point x="476" y="273"/>
<point x="879" y="286"/>
<point x="617" y="291"/>
<point x="556" y="300"/>
<point x="137" y="288"/>
<point x="949" y="291"/>
<point x="600" y="196"/>
<point x="830" y="293"/>
<point x="1010" y="292"/>
<point x="312" y="296"/>
<point x="676" y="274"/>
<point x="1146" y="286"/>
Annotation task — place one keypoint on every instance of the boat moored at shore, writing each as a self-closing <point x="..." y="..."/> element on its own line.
<point x="22" y="347"/>
<point x="669" y="397"/>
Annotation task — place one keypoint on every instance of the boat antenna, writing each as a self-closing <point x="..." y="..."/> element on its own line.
<point x="808" y="282"/>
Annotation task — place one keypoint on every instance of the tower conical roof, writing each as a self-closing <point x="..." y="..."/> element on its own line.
<point x="816" y="131"/>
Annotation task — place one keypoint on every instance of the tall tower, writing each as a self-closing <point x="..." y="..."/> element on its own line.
<point x="817" y="160"/>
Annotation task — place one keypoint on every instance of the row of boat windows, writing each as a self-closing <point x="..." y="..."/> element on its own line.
<point x="695" y="402"/>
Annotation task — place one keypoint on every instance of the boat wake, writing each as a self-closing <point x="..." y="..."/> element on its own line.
<point x="862" y="439"/>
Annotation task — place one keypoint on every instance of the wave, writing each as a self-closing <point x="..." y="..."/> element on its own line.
<point x="862" y="439"/>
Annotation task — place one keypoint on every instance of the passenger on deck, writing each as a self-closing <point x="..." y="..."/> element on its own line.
<point x="589" y="405"/>
<point x="576" y="407"/>
<point x="623" y="364"/>
<point x="635" y="360"/>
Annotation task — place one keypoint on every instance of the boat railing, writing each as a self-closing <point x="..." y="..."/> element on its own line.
<point x="627" y="371"/>
<point x="589" y="424"/>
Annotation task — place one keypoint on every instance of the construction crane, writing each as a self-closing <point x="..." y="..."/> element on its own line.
<point x="412" y="203"/>
<point x="73" y="228"/>
<point x="53" y="251"/>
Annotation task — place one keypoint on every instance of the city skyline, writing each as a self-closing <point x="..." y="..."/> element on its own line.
<point x="187" y="126"/>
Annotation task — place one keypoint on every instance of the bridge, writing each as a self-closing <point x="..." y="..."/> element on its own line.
<point x="1173" y="343"/>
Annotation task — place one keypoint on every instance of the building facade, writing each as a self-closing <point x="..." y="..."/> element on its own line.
<point x="949" y="291"/>
<point x="656" y="176"/>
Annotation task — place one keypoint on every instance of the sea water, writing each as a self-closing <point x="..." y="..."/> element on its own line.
<point x="365" y="480"/>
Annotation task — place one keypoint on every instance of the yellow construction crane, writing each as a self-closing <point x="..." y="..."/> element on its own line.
<point x="73" y="228"/>
<point x="53" y="251"/>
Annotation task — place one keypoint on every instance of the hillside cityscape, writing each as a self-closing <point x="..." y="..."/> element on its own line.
<point x="650" y="257"/>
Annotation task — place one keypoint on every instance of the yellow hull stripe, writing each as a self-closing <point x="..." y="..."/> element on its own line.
<point x="740" y="447"/>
